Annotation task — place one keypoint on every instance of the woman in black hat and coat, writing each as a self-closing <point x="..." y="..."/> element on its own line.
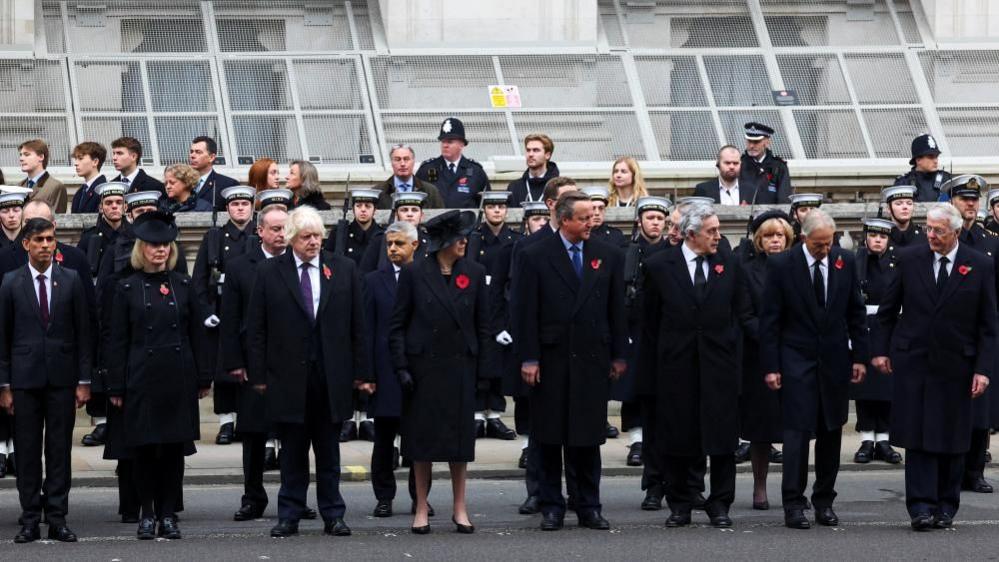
<point x="157" y="371"/>
<point x="438" y="340"/>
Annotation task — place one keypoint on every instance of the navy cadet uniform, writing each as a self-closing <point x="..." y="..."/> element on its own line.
<point x="929" y="185"/>
<point x="7" y="200"/>
<point x="991" y="224"/>
<point x="10" y="199"/>
<point x="376" y="255"/>
<point x="268" y="197"/>
<point x="459" y="182"/>
<point x="913" y="233"/>
<point x="798" y="200"/>
<point x="493" y="251"/>
<point x="605" y="232"/>
<point x="770" y="177"/>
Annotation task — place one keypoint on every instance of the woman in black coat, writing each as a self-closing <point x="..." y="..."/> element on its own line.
<point x="156" y="371"/>
<point x="438" y="340"/>
<point x="759" y="406"/>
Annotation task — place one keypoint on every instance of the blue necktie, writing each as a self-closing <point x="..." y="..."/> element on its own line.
<point x="404" y="187"/>
<point x="577" y="260"/>
<point x="31" y="184"/>
<point x="306" y="287"/>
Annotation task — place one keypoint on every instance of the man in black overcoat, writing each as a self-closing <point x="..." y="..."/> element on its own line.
<point x="573" y="339"/>
<point x="813" y="344"/>
<point x="941" y="354"/>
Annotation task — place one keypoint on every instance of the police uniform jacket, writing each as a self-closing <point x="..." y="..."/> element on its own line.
<point x="357" y="240"/>
<point x="928" y="184"/>
<point x="458" y="190"/>
<point x="770" y="178"/>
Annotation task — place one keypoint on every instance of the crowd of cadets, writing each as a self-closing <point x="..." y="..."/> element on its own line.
<point x="222" y="276"/>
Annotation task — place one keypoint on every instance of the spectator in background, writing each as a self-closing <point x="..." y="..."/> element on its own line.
<point x="211" y="183"/>
<point x="180" y="182"/>
<point x="538" y="149"/>
<point x="626" y="183"/>
<point x="88" y="157"/>
<point x="126" y="153"/>
<point x="303" y="181"/>
<point x="403" y="181"/>
<point x="33" y="156"/>
<point x="264" y="175"/>
<point x="726" y="188"/>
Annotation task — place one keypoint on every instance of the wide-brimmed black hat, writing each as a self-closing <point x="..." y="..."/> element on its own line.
<point x="155" y="227"/>
<point x="449" y="227"/>
<point x="767" y="215"/>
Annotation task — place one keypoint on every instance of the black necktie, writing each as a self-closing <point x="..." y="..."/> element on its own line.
<point x="819" y="285"/>
<point x="942" y="274"/>
<point x="700" y="281"/>
<point x="450" y="167"/>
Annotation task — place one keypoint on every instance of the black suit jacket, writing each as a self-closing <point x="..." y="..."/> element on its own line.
<point x="279" y="333"/>
<point x="379" y="302"/>
<point x="36" y="356"/>
<point x="144" y="182"/>
<point x="747" y="192"/>
<point x="211" y="191"/>
<point x="86" y="200"/>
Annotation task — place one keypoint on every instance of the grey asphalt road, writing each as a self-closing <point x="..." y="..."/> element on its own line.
<point x="870" y="505"/>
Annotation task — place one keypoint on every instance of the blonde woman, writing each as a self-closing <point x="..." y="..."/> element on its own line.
<point x="626" y="183"/>
<point x="303" y="181"/>
<point x="180" y="181"/>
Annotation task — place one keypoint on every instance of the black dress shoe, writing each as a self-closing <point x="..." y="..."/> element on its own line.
<point x="700" y="502"/>
<point x="795" y="519"/>
<point x="146" y="530"/>
<point x="95" y="437"/>
<point x="480" y="429"/>
<point x="742" y="452"/>
<point x="496" y="429"/>
<point x="424" y="530"/>
<point x="826" y="516"/>
<point x="652" y="502"/>
<point x="348" y="431"/>
<point x="284" y="528"/>
<point x="366" y="431"/>
<point x="28" y="533"/>
<point x="865" y="453"/>
<point x="462" y="529"/>
<point x="721" y="521"/>
<point x="337" y="528"/>
<point x="884" y="452"/>
<point x="551" y="522"/>
<point x="271" y="459"/>
<point x="309" y="513"/>
<point x="383" y="509"/>
<point x="247" y="513"/>
<point x="430" y="510"/>
<point x="634" y="454"/>
<point x="168" y="528"/>
<point x="922" y="522"/>
<point x="593" y="520"/>
<point x="61" y="533"/>
<point x="530" y="506"/>
<point x="678" y="520"/>
<point x="977" y="484"/>
<point x="776" y="455"/>
<point x="612" y="432"/>
<point x="522" y="463"/>
<point x="943" y="521"/>
<point x="225" y="435"/>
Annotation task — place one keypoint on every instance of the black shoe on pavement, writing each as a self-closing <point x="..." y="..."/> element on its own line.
<point x="795" y="519"/>
<point x="742" y="452"/>
<point x="496" y="429"/>
<point x="95" y="437"/>
<point x="865" y="453"/>
<point x="225" y="435"/>
<point x="348" y="431"/>
<point x="61" y="533"/>
<point x="676" y="519"/>
<point x="284" y="528"/>
<point x="977" y="484"/>
<point x="551" y="522"/>
<point x="884" y="452"/>
<point x="169" y="529"/>
<point x="922" y="522"/>
<point x="634" y="454"/>
<point x="146" y="530"/>
<point x="652" y="502"/>
<point x="826" y="516"/>
<point x="383" y="509"/>
<point x="28" y="533"/>
<point x="593" y="520"/>
<point x="530" y="506"/>
<point x="337" y="528"/>
<point x="366" y="431"/>
<point x="612" y="432"/>
<point x="522" y="463"/>
<point x="247" y="513"/>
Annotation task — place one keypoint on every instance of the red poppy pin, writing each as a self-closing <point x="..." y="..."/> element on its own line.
<point x="58" y="256"/>
<point x="595" y="264"/>
<point x="461" y="281"/>
<point x="839" y="263"/>
<point x="964" y="269"/>
<point x="719" y="269"/>
<point x="164" y="290"/>
<point x="327" y="272"/>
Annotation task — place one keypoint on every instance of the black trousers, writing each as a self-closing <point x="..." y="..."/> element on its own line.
<point x="97" y="406"/>
<point x="653" y="472"/>
<point x="873" y="415"/>
<point x="225" y="397"/>
<point x="254" y="451"/>
<point x="795" y="477"/>
<point x="974" y="460"/>
<point x="586" y="463"/>
<point x="631" y="416"/>
<point x="159" y="478"/>
<point x="128" y="492"/>
<point x="682" y="490"/>
<point x="322" y="435"/>
<point x="382" y="456"/>
<point x="932" y="482"/>
<point x="522" y="415"/>
<point x="491" y="397"/>
<point x="43" y="419"/>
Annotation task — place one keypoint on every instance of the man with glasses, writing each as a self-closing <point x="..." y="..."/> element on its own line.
<point x="403" y="160"/>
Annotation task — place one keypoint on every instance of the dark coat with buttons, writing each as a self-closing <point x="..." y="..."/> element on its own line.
<point x="438" y="333"/>
<point x="358" y="240"/>
<point x="928" y="184"/>
<point x="689" y="352"/>
<point x="459" y="190"/>
<point x="95" y="240"/>
<point x="875" y="274"/>
<point x="985" y="412"/>
<point x="156" y="358"/>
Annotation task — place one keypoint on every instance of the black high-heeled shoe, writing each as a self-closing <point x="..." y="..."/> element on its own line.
<point x="462" y="529"/>
<point x="424" y="530"/>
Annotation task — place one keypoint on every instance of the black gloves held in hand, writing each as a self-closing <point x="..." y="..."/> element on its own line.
<point x="406" y="380"/>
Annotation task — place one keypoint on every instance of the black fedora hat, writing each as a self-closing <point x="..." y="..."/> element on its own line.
<point x="449" y="227"/>
<point x="155" y="227"/>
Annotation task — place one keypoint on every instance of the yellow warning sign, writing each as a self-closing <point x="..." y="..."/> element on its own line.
<point x="497" y="97"/>
<point x="504" y="96"/>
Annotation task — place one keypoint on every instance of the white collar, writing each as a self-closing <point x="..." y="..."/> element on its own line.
<point x="314" y="262"/>
<point x="811" y="260"/>
<point x="269" y="255"/>
<point x="38" y="177"/>
<point x="951" y="255"/>
<point x="131" y="177"/>
<point x="721" y="184"/>
<point x="688" y="254"/>
<point x="35" y="273"/>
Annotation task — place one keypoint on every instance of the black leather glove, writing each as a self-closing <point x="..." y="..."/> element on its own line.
<point x="406" y="380"/>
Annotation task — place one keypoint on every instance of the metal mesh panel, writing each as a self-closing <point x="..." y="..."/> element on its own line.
<point x="487" y="133"/>
<point x="15" y="130"/>
<point x="798" y="23"/>
<point x="283" y="25"/>
<point x="266" y="136"/>
<point x="733" y="124"/>
<point x="54" y="40"/>
<point x="256" y="85"/>
<point x="830" y="134"/>
<point x="433" y="82"/>
<point x="670" y="81"/>
<point x="971" y="132"/>
<point x="610" y="24"/>
<point x="109" y="86"/>
<point x="665" y="24"/>
<point x="907" y="20"/>
<point x="328" y="84"/>
<point x="182" y="86"/>
<point x="567" y="80"/>
<point x="739" y="80"/>
<point x="106" y="129"/>
<point x="584" y="136"/>
<point x="337" y="138"/>
<point x="817" y="79"/>
<point x="685" y="135"/>
<point x="174" y="134"/>
<point x="892" y="130"/>
<point x="881" y="78"/>
<point x="962" y="76"/>
<point x="133" y="26"/>
<point x="31" y="86"/>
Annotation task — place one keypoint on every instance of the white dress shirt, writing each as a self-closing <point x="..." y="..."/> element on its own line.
<point x="396" y="269"/>
<point x="48" y="285"/>
<point x="313" y="277"/>
<point x="691" y="258"/>
<point x="951" y="256"/>
<point x="824" y="267"/>
<point x="728" y="195"/>
<point x="130" y="179"/>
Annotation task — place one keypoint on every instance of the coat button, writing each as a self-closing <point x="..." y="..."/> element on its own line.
<point x="177" y="349"/>
<point x="149" y="352"/>
<point x="170" y="303"/>
<point x="146" y="284"/>
<point x="226" y="248"/>
<point x="149" y="328"/>
<point x="148" y="305"/>
<point x="174" y="326"/>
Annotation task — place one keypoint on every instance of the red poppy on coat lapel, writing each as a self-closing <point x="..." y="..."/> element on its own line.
<point x="839" y="263"/>
<point x="164" y="290"/>
<point x="595" y="264"/>
<point x="327" y="272"/>
<point x="461" y="281"/>
<point x="964" y="269"/>
<point x="719" y="269"/>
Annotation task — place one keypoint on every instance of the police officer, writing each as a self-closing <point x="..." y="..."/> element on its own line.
<point x="11" y="205"/>
<point x="925" y="174"/>
<point x="491" y="245"/>
<point x="218" y="246"/>
<point x="991" y="221"/>
<point x="762" y="169"/>
<point x="407" y="206"/>
<point x="801" y="205"/>
<point x="899" y="201"/>
<point x="459" y="179"/>
<point x="872" y="397"/>
<point x="601" y="230"/>
<point x="360" y="230"/>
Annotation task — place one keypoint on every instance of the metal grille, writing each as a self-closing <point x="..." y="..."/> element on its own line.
<point x="971" y="132"/>
<point x="134" y="26"/>
<point x="830" y="134"/>
<point x="291" y="25"/>
<point x="584" y="136"/>
<point x="962" y="76"/>
<point x="180" y="86"/>
<point x="267" y="136"/>
<point x="817" y="79"/>
<point x="109" y="86"/>
<point x="454" y="82"/>
<point x="881" y="78"/>
<point x="739" y="80"/>
<point x="892" y="130"/>
<point x="328" y="84"/>
<point x="106" y="129"/>
<point x="907" y="21"/>
<point x="258" y="85"/>
<point x="673" y="24"/>
<point x="174" y="134"/>
<point x="54" y="40"/>
<point x="829" y="23"/>
<point x="671" y="81"/>
<point x="733" y="124"/>
<point x="610" y="23"/>
<point x="567" y="80"/>
<point x="487" y="133"/>
<point x="15" y="130"/>
<point x="32" y="86"/>
<point x="339" y="139"/>
<point x="685" y="135"/>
